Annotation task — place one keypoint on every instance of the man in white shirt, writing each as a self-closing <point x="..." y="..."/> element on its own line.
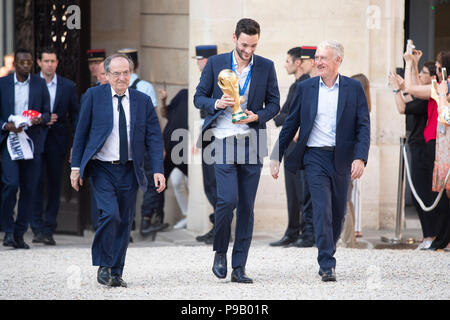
<point x="116" y="127"/>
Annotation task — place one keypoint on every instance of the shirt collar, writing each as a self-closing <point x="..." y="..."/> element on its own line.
<point x="17" y="81"/>
<point x="234" y="62"/>
<point x="53" y="82"/>
<point x="126" y="94"/>
<point x="336" y="83"/>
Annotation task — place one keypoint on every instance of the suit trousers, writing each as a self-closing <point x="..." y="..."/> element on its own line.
<point x="151" y="199"/>
<point x="44" y="220"/>
<point x="294" y="196"/>
<point x="237" y="184"/>
<point x="115" y="189"/>
<point x="23" y="175"/>
<point x="329" y="191"/>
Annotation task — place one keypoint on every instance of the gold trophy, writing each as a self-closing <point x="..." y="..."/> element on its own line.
<point x="229" y="83"/>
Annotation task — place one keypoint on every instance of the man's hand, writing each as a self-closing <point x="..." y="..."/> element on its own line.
<point x="162" y="94"/>
<point x="9" y="126"/>
<point x="274" y="168"/>
<point x="36" y="121"/>
<point x="75" y="179"/>
<point x="296" y="136"/>
<point x="225" y="102"/>
<point x="357" y="169"/>
<point x="251" y="117"/>
<point x="160" y="182"/>
<point x="53" y="119"/>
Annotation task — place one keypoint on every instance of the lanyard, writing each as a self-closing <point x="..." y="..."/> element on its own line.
<point x="249" y="75"/>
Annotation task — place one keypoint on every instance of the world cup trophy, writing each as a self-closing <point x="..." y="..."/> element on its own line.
<point x="229" y="83"/>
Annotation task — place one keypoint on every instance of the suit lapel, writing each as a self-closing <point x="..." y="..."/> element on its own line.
<point x="30" y="95"/>
<point x="314" y="102"/>
<point x="253" y="80"/>
<point x="342" y="98"/>
<point x="59" y="90"/>
<point x="11" y="98"/>
<point x="133" y="105"/>
<point x="109" y="107"/>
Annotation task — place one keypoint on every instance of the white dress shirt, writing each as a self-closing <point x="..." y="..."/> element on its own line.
<point x="21" y="95"/>
<point x="52" y="90"/>
<point x="323" y="133"/>
<point x="224" y="126"/>
<point x="111" y="149"/>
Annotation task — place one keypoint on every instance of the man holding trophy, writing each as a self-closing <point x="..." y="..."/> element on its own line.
<point x="239" y="92"/>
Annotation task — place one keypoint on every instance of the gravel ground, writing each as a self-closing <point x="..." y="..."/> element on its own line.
<point x="176" y="271"/>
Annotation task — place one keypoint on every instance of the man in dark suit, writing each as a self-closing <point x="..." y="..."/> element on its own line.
<point x="19" y="92"/>
<point x="202" y="54"/>
<point x="239" y="147"/>
<point x="115" y="126"/>
<point x="299" y="62"/>
<point x="63" y="104"/>
<point x="333" y="116"/>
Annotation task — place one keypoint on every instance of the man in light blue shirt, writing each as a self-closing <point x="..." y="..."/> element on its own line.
<point x="324" y="128"/>
<point x="64" y="105"/>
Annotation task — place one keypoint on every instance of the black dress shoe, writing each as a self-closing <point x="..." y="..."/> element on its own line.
<point x="283" y="242"/>
<point x="220" y="265"/>
<point x="327" y="275"/>
<point x="304" y="243"/>
<point x="104" y="276"/>
<point x="20" y="243"/>
<point x="238" y="275"/>
<point x="152" y="228"/>
<point x="117" y="281"/>
<point x="38" y="238"/>
<point x="209" y="236"/>
<point x="9" y="241"/>
<point x="48" y="240"/>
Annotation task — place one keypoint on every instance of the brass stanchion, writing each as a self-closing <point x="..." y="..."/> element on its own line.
<point x="398" y="239"/>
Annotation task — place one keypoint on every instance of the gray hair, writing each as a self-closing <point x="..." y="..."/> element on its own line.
<point x="337" y="47"/>
<point x="108" y="60"/>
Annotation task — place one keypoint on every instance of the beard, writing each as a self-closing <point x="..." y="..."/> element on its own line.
<point x="239" y="53"/>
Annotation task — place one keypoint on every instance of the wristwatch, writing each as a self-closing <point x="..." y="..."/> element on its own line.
<point x="395" y="91"/>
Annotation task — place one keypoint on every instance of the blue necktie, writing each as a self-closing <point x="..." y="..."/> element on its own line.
<point x="122" y="132"/>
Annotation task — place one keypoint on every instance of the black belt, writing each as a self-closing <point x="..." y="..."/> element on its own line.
<point x="322" y="148"/>
<point x="115" y="162"/>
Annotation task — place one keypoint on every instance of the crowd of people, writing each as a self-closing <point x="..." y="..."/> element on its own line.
<point x="325" y="148"/>
<point x="428" y="140"/>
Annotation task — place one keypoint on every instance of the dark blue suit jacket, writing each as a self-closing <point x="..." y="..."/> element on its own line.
<point x="95" y="124"/>
<point x="66" y="104"/>
<point x="263" y="96"/>
<point x="352" y="128"/>
<point x="39" y="100"/>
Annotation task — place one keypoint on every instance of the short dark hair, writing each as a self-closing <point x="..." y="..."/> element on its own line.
<point x="49" y="50"/>
<point x="431" y="66"/>
<point x="444" y="60"/>
<point x="21" y="50"/>
<point x="295" y="53"/>
<point x="247" y="26"/>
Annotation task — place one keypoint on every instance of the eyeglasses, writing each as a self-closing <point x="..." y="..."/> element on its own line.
<point x="118" y="74"/>
<point x="23" y="63"/>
